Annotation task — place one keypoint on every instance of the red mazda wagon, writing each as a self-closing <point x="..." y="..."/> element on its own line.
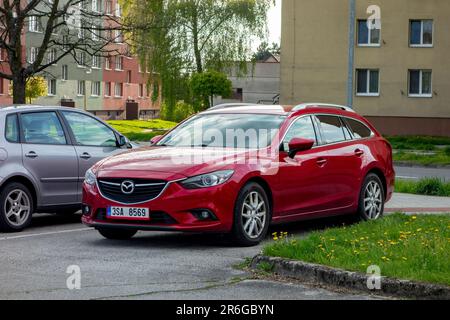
<point x="239" y="168"/>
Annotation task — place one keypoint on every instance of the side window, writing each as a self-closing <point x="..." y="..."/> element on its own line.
<point x="358" y="129"/>
<point x="42" y="128"/>
<point x="332" y="129"/>
<point x="12" y="128"/>
<point x="89" y="131"/>
<point x="302" y="128"/>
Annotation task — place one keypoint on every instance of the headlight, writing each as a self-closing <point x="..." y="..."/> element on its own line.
<point x="207" y="180"/>
<point x="90" y="177"/>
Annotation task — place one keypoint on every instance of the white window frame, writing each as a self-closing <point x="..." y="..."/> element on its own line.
<point x="95" y="33"/>
<point x="50" y="92"/>
<point x="108" y="63"/>
<point x="51" y="56"/>
<point x="96" y="6"/>
<point x="118" y="10"/>
<point x="109" y="7"/>
<point x="421" y="44"/>
<point x="34" y="51"/>
<point x="141" y="90"/>
<point x="420" y="94"/>
<point x="96" y="62"/>
<point x="82" y="60"/>
<point x="118" y="66"/>
<point x="368" y="93"/>
<point x="34" y="24"/>
<point x="369" y="37"/>
<point x="118" y="85"/>
<point x="81" y="88"/>
<point x="96" y="88"/>
<point x="65" y="72"/>
<point x="109" y="86"/>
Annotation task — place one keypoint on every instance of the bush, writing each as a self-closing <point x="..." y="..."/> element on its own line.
<point x="426" y="186"/>
<point x="178" y="113"/>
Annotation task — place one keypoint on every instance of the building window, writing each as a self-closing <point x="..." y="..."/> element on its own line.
<point x="420" y="83"/>
<point x="118" y="90"/>
<point x="2" y="54"/>
<point x="65" y="72"/>
<point x="51" y="86"/>
<point x="95" y="88"/>
<point x="34" y="24"/>
<point x="108" y="63"/>
<point x="118" y="37"/>
<point x="51" y="56"/>
<point x="118" y="10"/>
<point x="109" y="7"/>
<point x="96" y="5"/>
<point x="81" y="88"/>
<point x="367" y="82"/>
<point x="141" y="90"/>
<point x="108" y="89"/>
<point x="2" y="89"/>
<point x="82" y="59"/>
<point x="367" y="36"/>
<point x="65" y="41"/>
<point x="119" y="63"/>
<point x="421" y="33"/>
<point x="32" y="54"/>
<point x="95" y="33"/>
<point x="129" y="76"/>
<point x="96" y="62"/>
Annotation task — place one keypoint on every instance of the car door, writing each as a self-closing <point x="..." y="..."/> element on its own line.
<point x="93" y="141"/>
<point x="344" y="162"/>
<point x="49" y="156"/>
<point x="303" y="181"/>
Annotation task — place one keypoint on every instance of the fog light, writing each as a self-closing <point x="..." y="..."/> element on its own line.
<point x="203" y="214"/>
<point x="86" y="210"/>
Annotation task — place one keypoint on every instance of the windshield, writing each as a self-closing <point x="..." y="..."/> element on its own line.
<point x="249" y="131"/>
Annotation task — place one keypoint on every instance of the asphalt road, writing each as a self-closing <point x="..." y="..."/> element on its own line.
<point x="153" y="265"/>
<point x="416" y="173"/>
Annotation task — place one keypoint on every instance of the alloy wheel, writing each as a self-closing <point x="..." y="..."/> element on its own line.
<point x="373" y="200"/>
<point x="254" y="213"/>
<point x="17" y="207"/>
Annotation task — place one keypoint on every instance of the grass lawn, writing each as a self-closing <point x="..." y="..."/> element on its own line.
<point x="404" y="247"/>
<point x="435" y="150"/>
<point x="139" y="130"/>
<point x="426" y="186"/>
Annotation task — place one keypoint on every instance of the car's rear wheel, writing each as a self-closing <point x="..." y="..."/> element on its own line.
<point x="371" y="199"/>
<point x="16" y="207"/>
<point x="252" y="214"/>
<point x="117" y="234"/>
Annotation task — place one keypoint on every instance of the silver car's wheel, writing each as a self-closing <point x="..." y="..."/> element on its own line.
<point x="17" y="207"/>
<point x="373" y="200"/>
<point x="254" y="213"/>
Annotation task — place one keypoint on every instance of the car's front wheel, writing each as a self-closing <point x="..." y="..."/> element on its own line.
<point x="16" y="207"/>
<point x="117" y="234"/>
<point x="252" y="214"/>
<point x="371" y="199"/>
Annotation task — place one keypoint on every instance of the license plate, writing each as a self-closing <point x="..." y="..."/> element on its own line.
<point x="128" y="213"/>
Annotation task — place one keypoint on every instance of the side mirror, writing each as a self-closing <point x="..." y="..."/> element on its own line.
<point x="123" y="141"/>
<point x="155" y="140"/>
<point x="299" y="144"/>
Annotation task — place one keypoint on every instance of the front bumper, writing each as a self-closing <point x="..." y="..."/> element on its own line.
<point x="173" y="210"/>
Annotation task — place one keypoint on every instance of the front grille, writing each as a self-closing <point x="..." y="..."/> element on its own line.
<point x="144" y="190"/>
<point x="156" y="218"/>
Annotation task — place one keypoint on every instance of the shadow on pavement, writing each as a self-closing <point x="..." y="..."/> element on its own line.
<point x="48" y="220"/>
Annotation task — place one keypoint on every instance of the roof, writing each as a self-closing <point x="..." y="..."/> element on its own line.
<point x="11" y="108"/>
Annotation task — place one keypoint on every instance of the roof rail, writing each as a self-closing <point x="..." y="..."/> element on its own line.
<point x="304" y="106"/>
<point x="232" y="105"/>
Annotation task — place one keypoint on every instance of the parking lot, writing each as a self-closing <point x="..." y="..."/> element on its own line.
<point x="150" y="266"/>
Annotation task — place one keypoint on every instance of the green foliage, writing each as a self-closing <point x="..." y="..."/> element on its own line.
<point x="206" y="85"/>
<point x="137" y="130"/>
<point x="174" y="38"/>
<point x="406" y="247"/>
<point x="178" y="113"/>
<point x="264" y="51"/>
<point x="426" y="186"/>
<point x="418" y="142"/>
<point x="36" y="87"/>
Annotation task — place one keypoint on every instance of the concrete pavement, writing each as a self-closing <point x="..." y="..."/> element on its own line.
<point x="410" y="203"/>
<point x="416" y="173"/>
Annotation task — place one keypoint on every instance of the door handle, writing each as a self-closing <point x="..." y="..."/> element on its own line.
<point x="31" y="155"/>
<point x="321" y="162"/>
<point x="85" y="156"/>
<point x="359" y="152"/>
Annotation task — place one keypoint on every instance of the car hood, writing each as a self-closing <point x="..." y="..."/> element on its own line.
<point x="169" y="163"/>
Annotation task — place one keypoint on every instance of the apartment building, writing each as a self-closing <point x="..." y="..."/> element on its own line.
<point x="101" y="85"/>
<point x="395" y="70"/>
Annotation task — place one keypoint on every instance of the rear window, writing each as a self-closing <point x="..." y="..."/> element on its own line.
<point x="12" y="128"/>
<point x="359" y="130"/>
<point x="332" y="129"/>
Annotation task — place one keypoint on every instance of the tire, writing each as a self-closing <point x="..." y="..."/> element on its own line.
<point x="252" y="214"/>
<point x="16" y="207"/>
<point x="117" y="234"/>
<point x="371" y="199"/>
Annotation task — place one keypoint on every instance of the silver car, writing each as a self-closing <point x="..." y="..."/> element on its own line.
<point x="44" y="154"/>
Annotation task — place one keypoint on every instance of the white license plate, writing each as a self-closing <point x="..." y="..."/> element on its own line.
<point x="128" y="213"/>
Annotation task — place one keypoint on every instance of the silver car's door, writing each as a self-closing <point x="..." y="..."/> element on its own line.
<point x="49" y="157"/>
<point x="93" y="141"/>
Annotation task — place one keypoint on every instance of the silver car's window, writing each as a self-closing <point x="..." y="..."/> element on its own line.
<point x="89" y="131"/>
<point x="12" y="128"/>
<point x="42" y="128"/>
<point x="302" y="128"/>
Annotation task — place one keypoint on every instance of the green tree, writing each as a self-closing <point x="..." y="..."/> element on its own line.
<point x="264" y="51"/>
<point x="35" y="87"/>
<point x="208" y="84"/>
<point x="175" y="37"/>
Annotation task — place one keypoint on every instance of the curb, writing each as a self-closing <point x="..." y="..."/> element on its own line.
<point x="315" y="273"/>
<point x="416" y="165"/>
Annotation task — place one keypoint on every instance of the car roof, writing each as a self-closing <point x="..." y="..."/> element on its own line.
<point x="28" y="107"/>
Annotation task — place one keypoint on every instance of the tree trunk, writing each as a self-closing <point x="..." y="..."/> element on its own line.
<point x="19" y="84"/>
<point x="197" y="53"/>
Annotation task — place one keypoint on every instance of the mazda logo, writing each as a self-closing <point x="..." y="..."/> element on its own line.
<point x="127" y="187"/>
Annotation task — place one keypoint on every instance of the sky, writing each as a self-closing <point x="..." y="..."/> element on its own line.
<point x="274" y="22"/>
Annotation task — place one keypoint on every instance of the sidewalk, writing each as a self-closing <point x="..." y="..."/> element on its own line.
<point x="410" y="203"/>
